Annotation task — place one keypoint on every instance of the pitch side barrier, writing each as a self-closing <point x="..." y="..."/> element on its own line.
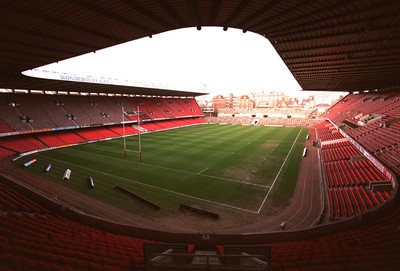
<point x="196" y="237"/>
<point x="198" y="211"/>
<point x="211" y="240"/>
<point x="136" y="196"/>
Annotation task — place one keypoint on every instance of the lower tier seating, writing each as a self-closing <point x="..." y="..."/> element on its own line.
<point x="5" y="152"/>
<point x="33" y="239"/>
<point x="368" y="248"/>
<point x="22" y="143"/>
<point x="10" y="145"/>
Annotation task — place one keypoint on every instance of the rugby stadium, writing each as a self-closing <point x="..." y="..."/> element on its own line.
<point x="96" y="175"/>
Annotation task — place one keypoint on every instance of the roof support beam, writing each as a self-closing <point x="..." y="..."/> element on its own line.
<point x="346" y="53"/>
<point x="193" y="11"/>
<point x="239" y="8"/>
<point x="46" y="36"/>
<point x="333" y="71"/>
<point x="258" y="26"/>
<point x="361" y="25"/>
<point x="109" y="14"/>
<point x="56" y="21"/>
<point x="267" y="7"/>
<point x="341" y="36"/>
<point x="214" y="12"/>
<point x="171" y="12"/>
<point x="15" y="43"/>
<point x="333" y="47"/>
<point x="136" y="6"/>
<point x="310" y="21"/>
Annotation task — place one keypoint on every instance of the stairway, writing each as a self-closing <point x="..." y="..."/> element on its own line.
<point x="205" y="258"/>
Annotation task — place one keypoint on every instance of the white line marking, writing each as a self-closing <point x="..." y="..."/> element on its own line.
<point x="236" y="181"/>
<point x="202" y="171"/>
<point x="159" y="188"/>
<point x="279" y="172"/>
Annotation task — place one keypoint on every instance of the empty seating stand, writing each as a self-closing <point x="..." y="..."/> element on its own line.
<point x="347" y="175"/>
<point x="21" y="143"/>
<point x="50" y="111"/>
<point x="366" y="248"/>
<point x="127" y="130"/>
<point x="5" y="152"/>
<point x="59" y="120"/>
<point x="50" y="140"/>
<point x="4" y="127"/>
<point x="10" y="145"/>
<point x="33" y="239"/>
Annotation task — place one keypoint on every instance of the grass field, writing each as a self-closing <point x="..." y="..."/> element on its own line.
<point x="229" y="166"/>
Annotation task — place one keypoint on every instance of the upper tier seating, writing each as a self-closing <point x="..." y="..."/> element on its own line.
<point x="379" y="114"/>
<point x="354" y="107"/>
<point x="4" y="127"/>
<point x="373" y="121"/>
<point x="25" y="112"/>
<point x="11" y="115"/>
<point x="52" y="106"/>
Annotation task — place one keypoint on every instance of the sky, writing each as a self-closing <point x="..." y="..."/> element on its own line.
<point x="220" y="62"/>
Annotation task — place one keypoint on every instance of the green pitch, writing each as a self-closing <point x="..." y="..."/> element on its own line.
<point x="227" y="166"/>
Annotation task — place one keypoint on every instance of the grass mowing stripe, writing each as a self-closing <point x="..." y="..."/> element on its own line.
<point x="190" y="172"/>
<point x="162" y="189"/>
<point x="229" y="164"/>
<point x="181" y="183"/>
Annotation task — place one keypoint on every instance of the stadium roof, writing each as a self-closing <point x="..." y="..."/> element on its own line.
<point x="335" y="45"/>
